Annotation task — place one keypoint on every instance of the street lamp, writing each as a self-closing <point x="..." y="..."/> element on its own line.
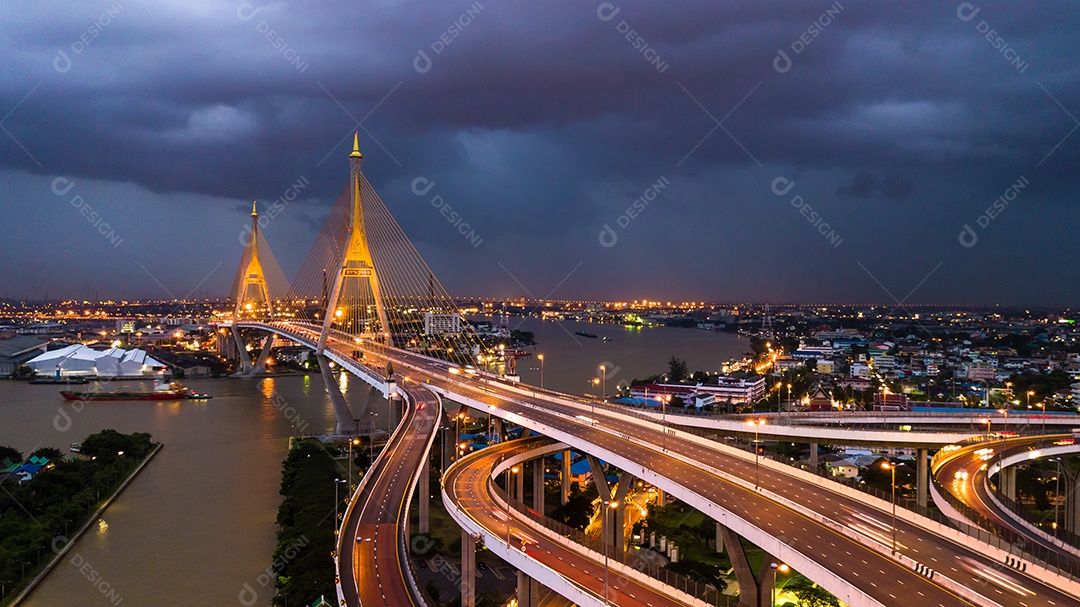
<point x="756" y="423"/>
<point x="354" y="441"/>
<point x="663" y="417"/>
<point x="541" y="358"/>
<point x="789" y="394"/>
<point x="603" y="371"/>
<point x="595" y="382"/>
<point x="509" y="471"/>
<point x="891" y="467"/>
<point x="337" y="525"/>
<point x="1004" y="444"/>
<point x="1042" y="405"/>
<point x="987" y="422"/>
<point x="604" y="529"/>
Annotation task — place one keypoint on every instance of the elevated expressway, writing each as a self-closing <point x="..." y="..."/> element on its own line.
<point x="965" y="471"/>
<point x="836" y="536"/>
<point x="372" y="554"/>
<point x="577" y="573"/>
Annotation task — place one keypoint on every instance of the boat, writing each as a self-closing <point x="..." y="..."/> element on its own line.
<point x="162" y="391"/>
<point x="60" y="380"/>
<point x="584" y="334"/>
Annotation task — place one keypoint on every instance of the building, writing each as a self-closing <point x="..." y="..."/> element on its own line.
<point x="737" y="391"/>
<point x="884" y="361"/>
<point x="15" y="350"/>
<point x="437" y="324"/>
<point x="980" y="372"/>
<point x="825" y="367"/>
<point x="79" y="360"/>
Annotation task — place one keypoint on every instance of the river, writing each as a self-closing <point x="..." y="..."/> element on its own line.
<point x="199" y="522"/>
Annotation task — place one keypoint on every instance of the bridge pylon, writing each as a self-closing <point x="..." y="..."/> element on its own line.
<point x="252" y="292"/>
<point x="356" y="276"/>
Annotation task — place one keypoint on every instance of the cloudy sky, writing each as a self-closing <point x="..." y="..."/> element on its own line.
<point x="782" y="152"/>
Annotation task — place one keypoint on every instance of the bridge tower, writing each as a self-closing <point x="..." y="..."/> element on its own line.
<point x="357" y="272"/>
<point x="253" y="294"/>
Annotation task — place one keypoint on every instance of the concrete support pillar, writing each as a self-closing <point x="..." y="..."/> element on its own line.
<point x="538" y="485"/>
<point x="719" y="537"/>
<point x="468" y="570"/>
<point x="1007" y="478"/>
<point x="500" y="429"/>
<point x="528" y="591"/>
<point x="448" y="447"/>
<point x="423" y="492"/>
<point x="260" y="365"/>
<point x="1069" y="483"/>
<point x="519" y="484"/>
<point x="564" y="478"/>
<point x="661" y="498"/>
<point x="613" y="524"/>
<point x="755" y="590"/>
<point x="341" y="409"/>
<point x="922" y="476"/>
<point x="814" y="455"/>
<point x="241" y="351"/>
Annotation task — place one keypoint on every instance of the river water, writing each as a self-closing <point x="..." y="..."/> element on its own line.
<point x="199" y="522"/>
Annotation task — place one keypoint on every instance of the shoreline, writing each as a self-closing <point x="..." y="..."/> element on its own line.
<point x="37" y="579"/>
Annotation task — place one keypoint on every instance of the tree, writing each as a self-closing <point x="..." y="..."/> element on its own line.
<point x="810" y="595"/>
<point x="677" y="370"/>
<point x="49" y="453"/>
<point x="389" y="370"/>
<point x="10" y="453"/>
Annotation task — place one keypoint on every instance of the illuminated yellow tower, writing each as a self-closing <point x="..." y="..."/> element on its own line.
<point x="357" y="265"/>
<point x="253" y="296"/>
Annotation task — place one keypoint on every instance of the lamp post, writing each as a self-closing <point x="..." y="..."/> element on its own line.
<point x="509" y="471"/>
<point x="1057" y="491"/>
<point x="354" y="441"/>
<point x="337" y="525"/>
<point x="1042" y="405"/>
<point x="891" y="467"/>
<point x="541" y="358"/>
<point x="774" y="567"/>
<point x="1004" y="444"/>
<point x="987" y="422"/>
<point x="595" y="382"/>
<point x="789" y="394"/>
<point x="756" y="423"/>
<point x="663" y="417"/>
<point x="609" y="505"/>
<point x="603" y="372"/>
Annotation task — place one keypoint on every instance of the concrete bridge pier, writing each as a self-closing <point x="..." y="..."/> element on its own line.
<point x="468" y="569"/>
<point x="528" y="591"/>
<point x="814" y="462"/>
<point x="922" y="483"/>
<point x="538" y="485"/>
<point x="519" y="483"/>
<point x="564" y="478"/>
<point x="1007" y="480"/>
<point x="719" y="537"/>
<point x="423" y="493"/>
<point x="268" y="345"/>
<point x="341" y="408"/>
<point x="241" y="351"/>
<point x="755" y="590"/>
<point x="1070" y="486"/>
<point x="613" y="524"/>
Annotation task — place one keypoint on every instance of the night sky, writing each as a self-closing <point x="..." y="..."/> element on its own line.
<point x="784" y="152"/>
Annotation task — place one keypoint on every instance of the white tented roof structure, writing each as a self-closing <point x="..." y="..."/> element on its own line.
<point x="76" y="360"/>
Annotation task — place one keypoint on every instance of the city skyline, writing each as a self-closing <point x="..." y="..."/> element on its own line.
<point x="829" y="152"/>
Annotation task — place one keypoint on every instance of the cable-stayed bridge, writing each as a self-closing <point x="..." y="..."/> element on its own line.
<point x="365" y="300"/>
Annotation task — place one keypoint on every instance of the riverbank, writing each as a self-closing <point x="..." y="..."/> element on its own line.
<point x="61" y="545"/>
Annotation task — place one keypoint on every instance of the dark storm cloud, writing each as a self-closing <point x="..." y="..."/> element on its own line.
<point x="541" y="124"/>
